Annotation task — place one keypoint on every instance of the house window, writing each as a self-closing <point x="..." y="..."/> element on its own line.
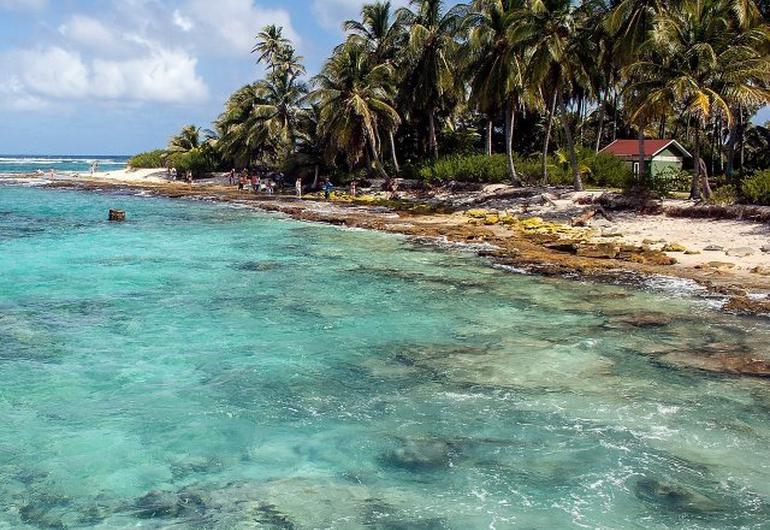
<point x="636" y="169"/>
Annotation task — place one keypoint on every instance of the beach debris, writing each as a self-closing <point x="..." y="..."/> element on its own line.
<point x="589" y="213"/>
<point x="117" y="215"/>
<point x="762" y="271"/>
<point x="713" y="248"/>
<point x="765" y="249"/>
<point x="741" y="252"/>
<point x="716" y="265"/>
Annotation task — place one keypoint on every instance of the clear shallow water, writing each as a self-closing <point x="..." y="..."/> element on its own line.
<point x="16" y="164"/>
<point x="206" y="367"/>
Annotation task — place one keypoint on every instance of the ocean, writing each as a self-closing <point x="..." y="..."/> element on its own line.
<point x="24" y="164"/>
<point x="207" y="366"/>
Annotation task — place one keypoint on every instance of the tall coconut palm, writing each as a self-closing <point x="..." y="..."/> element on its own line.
<point x="382" y="35"/>
<point x="353" y="105"/>
<point x="559" y="54"/>
<point x="497" y="64"/>
<point x="187" y="139"/>
<point x="431" y="74"/>
<point x="271" y="45"/>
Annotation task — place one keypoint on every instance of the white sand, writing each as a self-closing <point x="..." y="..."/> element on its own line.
<point x="131" y="175"/>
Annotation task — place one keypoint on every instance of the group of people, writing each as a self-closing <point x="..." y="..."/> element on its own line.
<point x="173" y="174"/>
<point x="254" y="180"/>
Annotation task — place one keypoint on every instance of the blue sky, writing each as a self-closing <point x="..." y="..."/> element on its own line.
<point x="121" y="76"/>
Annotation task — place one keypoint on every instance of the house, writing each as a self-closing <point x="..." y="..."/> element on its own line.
<point x="660" y="155"/>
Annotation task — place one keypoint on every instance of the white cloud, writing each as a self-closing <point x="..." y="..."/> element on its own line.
<point x="158" y="74"/>
<point x="13" y="96"/>
<point x="89" y="32"/>
<point x="230" y="26"/>
<point x="332" y="13"/>
<point x="182" y="22"/>
<point x="34" y="5"/>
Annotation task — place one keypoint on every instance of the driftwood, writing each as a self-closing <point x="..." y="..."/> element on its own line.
<point x="589" y="213"/>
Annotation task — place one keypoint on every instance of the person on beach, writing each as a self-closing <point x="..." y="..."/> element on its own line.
<point x="255" y="182"/>
<point x="298" y="187"/>
<point x="231" y="177"/>
<point x="189" y="177"/>
<point x="328" y="187"/>
<point x="241" y="183"/>
<point x="173" y="173"/>
<point x="353" y="188"/>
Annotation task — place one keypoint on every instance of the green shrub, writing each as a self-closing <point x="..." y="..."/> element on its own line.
<point x="149" y="160"/>
<point x="724" y="195"/>
<point x="470" y="168"/>
<point x="756" y="188"/>
<point x="194" y="161"/>
<point x="608" y="171"/>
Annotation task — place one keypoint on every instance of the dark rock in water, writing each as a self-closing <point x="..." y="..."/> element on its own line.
<point x="675" y="497"/>
<point x="43" y="512"/>
<point x="644" y="320"/>
<point x="380" y="515"/>
<point x="268" y="514"/>
<point x="420" y="455"/>
<point x="734" y="363"/>
<point x="161" y="504"/>
<point x="257" y="266"/>
<point x="117" y="215"/>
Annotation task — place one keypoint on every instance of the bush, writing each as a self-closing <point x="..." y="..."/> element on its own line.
<point x="470" y="168"/>
<point x="194" y="161"/>
<point x="608" y="171"/>
<point x="668" y="181"/>
<point x="756" y="188"/>
<point x="724" y="195"/>
<point x="149" y="160"/>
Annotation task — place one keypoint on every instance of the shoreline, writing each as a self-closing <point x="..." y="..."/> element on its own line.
<point x="523" y="246"/>
<point x="531" y="244"/>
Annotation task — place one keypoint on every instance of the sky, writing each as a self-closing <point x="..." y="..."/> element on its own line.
<point x="117" y="77"/>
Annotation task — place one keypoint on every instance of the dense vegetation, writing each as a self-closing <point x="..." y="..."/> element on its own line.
<point x="524" y="91"/>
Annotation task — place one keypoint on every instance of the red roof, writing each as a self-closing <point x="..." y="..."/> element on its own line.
<point x="631" y="147"/>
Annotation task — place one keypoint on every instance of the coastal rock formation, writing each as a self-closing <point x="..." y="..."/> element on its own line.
<point x="117" y="215"/>
<point x="676" y="497"/>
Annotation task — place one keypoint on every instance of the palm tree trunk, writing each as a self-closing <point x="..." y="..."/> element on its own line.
<point x="731" y="142"/>
<point x="600" y="130"/>
<point x="547" y="140"/>
<point x="393" y="154"/>
<point x="510" y="115"/>
<point x="432" y="141"/>
<point x="577" y="181"/>
<point x="315" y="178"/>
<point x="376" y="159"/>
<point x="490" y="126"/>
<point x="615" y="116"/>
<point x="694" y="184"/>
<point x="642" y="156"/>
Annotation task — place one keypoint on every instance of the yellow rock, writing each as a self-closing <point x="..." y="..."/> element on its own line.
<point x="477" y="214"/>
<point x="674" y="247"/>
<point x="491" y="219"/>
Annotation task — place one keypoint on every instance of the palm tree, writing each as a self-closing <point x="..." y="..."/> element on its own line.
<point x="560" y="53"/>
<point x="271" y="44"/>
<point x="189" y="138"/>
<point x="497" y="64"/>
<point x="680" y="65"/>
<point x="382" y="35"/>
<point x="431" y="43"/>
<point x="353" y="105"/>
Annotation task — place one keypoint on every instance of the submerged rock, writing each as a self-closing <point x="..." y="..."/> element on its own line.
<point x="643" y="320"/>
<point x="162" y="504"/>
<point x="675" y="497"/>
<point x="420" y="455"/>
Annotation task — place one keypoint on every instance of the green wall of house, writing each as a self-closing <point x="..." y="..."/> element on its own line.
<point x="662" y="166"/>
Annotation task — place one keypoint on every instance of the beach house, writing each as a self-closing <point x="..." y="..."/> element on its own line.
<point x="661" y="156"/>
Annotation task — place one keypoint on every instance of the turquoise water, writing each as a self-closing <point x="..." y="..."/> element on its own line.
<point x="15" y="164"/>
<point x="202" y="366"/>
